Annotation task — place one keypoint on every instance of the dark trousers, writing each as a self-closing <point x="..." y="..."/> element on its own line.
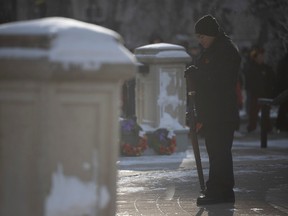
<point x="253" y="111"/>
<point x="218" y="140"/>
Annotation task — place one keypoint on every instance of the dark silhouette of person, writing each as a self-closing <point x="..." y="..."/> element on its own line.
<point x="215" y="77"/>
<point x="282" y="85"/>
<point x="260" y="80"/>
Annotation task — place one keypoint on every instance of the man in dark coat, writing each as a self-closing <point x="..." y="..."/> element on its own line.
<point x="281" y="86"/>
<point x="215" y="77"/>
<point x="260" y="81"/>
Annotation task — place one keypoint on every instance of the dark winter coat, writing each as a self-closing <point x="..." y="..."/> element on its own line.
<point x="215" y="82"/>
<point x="282" y="75"/>
<point x="260" y="80"/>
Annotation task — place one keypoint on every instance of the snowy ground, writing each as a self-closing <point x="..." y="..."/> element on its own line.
<point x="261" y="180"/>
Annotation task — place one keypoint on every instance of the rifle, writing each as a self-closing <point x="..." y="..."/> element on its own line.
<point x="192" y="119"/>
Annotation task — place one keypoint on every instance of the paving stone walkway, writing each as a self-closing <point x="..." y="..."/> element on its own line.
<point x="168" y="185"/>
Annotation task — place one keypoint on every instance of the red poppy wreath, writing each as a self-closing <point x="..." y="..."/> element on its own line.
<point x="133" y="139"/>
<point x="163" y="141"/>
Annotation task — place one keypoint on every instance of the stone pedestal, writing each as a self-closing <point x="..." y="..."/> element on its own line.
<point x="60" y="84"/>
<point x="161" y="89"/>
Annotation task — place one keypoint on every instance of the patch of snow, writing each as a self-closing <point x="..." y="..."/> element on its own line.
<point x="165" y="100"/>
<point x="162" y="46"/>
<point x="187" y="157"/>
<point x="49" y="26"/>
<point x="162" y="50"/>
<point x="146" y="126"/>
<point x="170" y="123"/>
<point x="129" y="189"/>
<point x="142" y="133"/>
<point x="129" y="161"/>
<point x="69" y="196"/>
<point x="73" y="42"/>
<point x="257" y="210"/>
<point x="172" y="54"/>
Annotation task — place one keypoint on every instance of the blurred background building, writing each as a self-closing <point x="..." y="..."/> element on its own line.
<point x="248" y="22"/>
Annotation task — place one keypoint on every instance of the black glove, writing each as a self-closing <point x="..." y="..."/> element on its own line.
<point x="190" y="71"/>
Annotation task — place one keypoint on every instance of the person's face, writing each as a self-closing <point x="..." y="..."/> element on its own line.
<point x="205" y="40"/>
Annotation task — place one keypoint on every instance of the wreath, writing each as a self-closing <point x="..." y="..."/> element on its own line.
<point x="163" y="141"/>
<point x="133" y="139"/>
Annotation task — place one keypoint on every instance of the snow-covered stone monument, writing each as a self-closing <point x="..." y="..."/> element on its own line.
<point x="60" y="85"/>
<point x="161" y="90"/>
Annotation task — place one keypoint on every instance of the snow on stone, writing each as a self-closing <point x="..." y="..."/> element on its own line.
<point x="146" y="127"/>
<point x="69" y="196"/>
<point x="165" y="100"/>
<point x="165" y="47"/>
<point x="168" y="100"/>
<point x="162" y="46"/>
<point x="73" y="42"/>
<point x="170" y="123"/>
<point x="165" y="50"/>
<point x="174" y="53"/>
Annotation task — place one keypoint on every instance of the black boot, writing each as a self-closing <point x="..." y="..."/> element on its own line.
<point x="209" y="198"/>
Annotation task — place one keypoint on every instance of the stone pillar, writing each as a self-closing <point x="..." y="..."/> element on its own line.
<point x="60" y="85"/>
<point x="161" y="89"/>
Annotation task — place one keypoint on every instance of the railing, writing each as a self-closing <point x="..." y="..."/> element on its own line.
<point x="265" y="106"/>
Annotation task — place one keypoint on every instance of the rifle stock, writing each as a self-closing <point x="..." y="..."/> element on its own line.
<point x="192" y="118"/>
